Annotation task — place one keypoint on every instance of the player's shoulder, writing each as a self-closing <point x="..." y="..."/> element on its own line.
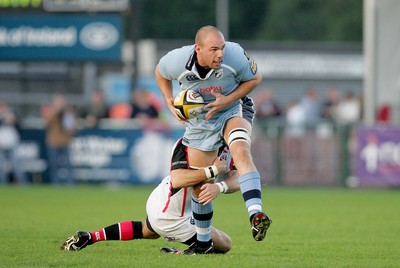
<point x="233" y="48"/>
<point x="234" y="54"/>
<point x="174" y="62"/>
<point x="181" y="53"/>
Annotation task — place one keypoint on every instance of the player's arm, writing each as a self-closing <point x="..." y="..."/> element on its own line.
<point x="222" y="101"/>
<point x="209" y="191"/>
<point x="166" y="89"/>
<point x="183" y="178"/>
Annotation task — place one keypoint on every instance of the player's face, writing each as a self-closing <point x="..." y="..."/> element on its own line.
<point x="210" y="52"/>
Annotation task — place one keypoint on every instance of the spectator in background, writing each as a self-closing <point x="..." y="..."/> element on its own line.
<point x="384" y="113"/>
<point x="60" y="128"/>
<point x="142" y="106"/>
<point x="96" y="110"/>
<point x="266" y="106"/>
<point x="349" y="109"/>
<point x="329" y="105"/>
<point x="9" y="141"/>
<point x="120" y="110"/>
<point x="311" y="107"/>
<point x="295" y="119"/>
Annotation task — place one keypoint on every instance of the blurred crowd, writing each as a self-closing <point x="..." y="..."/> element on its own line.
<point x="336" y="106"/>
<point x="62" y="120"/>
<point x="142" y="105"/>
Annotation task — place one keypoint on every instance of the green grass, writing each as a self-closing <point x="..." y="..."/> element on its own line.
<point x="312" y="227"/>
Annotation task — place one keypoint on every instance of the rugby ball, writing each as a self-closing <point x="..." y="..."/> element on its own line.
<point x="188" y="104"/>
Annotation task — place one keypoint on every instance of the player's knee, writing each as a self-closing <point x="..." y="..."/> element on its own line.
<point x="225" y="246"/>
<point x="239" y="135"/>
<point x="222" y="241"/>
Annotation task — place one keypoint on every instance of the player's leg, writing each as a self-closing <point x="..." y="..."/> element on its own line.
<point x="202" y="214"/>
<point x="237" y="135"/>
<point x="222" y="242"/>
<point x="127" y="230"/>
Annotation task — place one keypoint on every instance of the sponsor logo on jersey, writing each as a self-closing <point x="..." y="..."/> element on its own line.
<point x="211" y="88"/>
<point x="176" y="163"/>
<point x="192" y="77"/>
<point x="186" y="140"/>
<point x="171" y="239"/>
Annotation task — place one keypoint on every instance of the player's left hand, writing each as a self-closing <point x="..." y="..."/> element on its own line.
<point x="208" y="192"/>
<point x="220" y="102"/>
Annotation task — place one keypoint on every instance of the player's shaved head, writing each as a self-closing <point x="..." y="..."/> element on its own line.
<point x="209" y="47"/>
<point x="204" y="32"/>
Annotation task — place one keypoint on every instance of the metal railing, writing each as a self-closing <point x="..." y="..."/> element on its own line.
<point x="319" y="155"/>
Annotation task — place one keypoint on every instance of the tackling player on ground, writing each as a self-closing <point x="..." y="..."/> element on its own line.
<point x="168" y="208"/>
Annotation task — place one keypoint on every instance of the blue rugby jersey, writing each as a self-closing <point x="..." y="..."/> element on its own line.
<point x="237" y="66"/>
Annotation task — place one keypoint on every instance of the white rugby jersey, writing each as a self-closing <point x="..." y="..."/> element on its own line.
<point x="237" y="66"/>
<point x="176" y="203"/>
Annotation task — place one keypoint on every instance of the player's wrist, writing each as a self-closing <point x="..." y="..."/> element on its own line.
<point x="223" y="187"/>
<point x="211" y="172"/>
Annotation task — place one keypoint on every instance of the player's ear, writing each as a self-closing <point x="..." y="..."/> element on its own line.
<point x="196" y="48"/>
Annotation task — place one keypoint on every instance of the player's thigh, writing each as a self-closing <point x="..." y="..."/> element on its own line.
<point x="199" y="158"/>
<point x="236" y="122"/>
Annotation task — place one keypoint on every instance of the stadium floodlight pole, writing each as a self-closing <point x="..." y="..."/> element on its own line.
<point x="222" y="17"/>
<point x="135" y="18"/>
<point x="370" y="74"/>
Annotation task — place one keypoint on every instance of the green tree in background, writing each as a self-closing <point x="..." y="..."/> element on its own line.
<point x="269" y="20"/>
<point x="175" y="19"/>
<point x="312" y="20"/>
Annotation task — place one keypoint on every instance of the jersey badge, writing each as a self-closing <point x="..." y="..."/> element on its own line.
<point x="219" y="73"/>
<point x="252" y="63"/>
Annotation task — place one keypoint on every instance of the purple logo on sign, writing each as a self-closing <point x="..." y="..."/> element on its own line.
<point x="378" y="156"/>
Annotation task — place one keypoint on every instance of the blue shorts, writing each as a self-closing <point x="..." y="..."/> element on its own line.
<point x="208" y="135"/>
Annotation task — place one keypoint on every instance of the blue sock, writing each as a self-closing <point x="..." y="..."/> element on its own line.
<point x="250" y="186"/>
<point x="202" y="219"/>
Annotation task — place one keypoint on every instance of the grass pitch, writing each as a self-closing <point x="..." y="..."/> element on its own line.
<point x="312" y="227"/>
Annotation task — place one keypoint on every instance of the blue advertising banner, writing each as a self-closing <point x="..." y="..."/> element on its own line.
<point x="378" y="156"/>
<point x="131" y="156"/>
<point x="60" y="37"/>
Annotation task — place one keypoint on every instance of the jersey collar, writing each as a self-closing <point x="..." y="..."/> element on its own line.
<point x="191" y="66"/>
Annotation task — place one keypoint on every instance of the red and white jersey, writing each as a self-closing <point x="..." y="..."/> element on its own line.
<point x="169" y="210"/>
<point x="171" y="203"/>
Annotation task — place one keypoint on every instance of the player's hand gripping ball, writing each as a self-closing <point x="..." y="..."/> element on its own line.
<point x="188" y="104"/>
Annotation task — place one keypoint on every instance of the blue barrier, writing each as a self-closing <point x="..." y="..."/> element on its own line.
<point x="132" y="156"/>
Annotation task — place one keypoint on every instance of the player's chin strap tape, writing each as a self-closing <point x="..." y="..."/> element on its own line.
<point x="238" y="134"/>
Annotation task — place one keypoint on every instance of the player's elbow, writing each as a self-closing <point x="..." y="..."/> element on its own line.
<point x="258" y="78"/>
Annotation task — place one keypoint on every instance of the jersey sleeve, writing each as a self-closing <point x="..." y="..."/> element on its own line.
<point x="165" y="65"/>
<point x="179" y="157"/>
<point x="245" y="66"/>
<point x="172" y="64"/>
